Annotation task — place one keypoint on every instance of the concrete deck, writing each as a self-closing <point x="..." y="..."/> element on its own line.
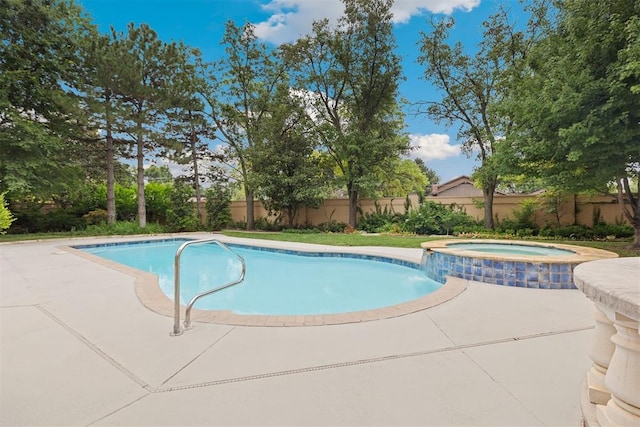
<point x="78" y="348"/>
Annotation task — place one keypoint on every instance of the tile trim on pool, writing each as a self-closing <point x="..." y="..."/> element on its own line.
<point x="441" y="258"/>
<point x="151" y="296"/>
<point x="306" y="253"/>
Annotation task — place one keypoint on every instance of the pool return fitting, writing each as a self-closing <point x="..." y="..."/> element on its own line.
<point x="177" y="330"/>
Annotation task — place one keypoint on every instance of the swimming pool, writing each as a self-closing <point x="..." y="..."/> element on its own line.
<point x="277" y="282"/>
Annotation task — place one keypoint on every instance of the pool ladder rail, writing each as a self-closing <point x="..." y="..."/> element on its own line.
<point x="177" y="329"/>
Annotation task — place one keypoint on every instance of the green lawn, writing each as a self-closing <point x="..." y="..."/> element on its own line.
<point x="340" y="239"/>
<point x="406" y="241"/>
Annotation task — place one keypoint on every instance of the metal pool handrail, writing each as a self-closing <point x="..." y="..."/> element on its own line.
<point x="177" y="330"/>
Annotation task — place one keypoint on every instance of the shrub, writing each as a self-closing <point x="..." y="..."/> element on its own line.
<point x="332" y="226"/>
<point x="96" y="216"/>
<point x="6" y="218"/>
<point x="158" y="200"/>
<point x="218" y="207"/>
<point x="436" y="218"/>
<point x="577" y="232"/>
<point x="523" y="223"/>
<point x="262" y="223"/>
<point x="603" y="230"/>
<point x="381" y="219"/>
<point x="182" y="215"/>
<point x="376" y="222"/>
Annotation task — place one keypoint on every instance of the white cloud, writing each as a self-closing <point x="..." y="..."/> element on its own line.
<point x="292" y="19"/>
<point x="434" y="146"/>
<point x="403" y="10"/>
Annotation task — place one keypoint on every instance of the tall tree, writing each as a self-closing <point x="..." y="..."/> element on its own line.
<point x="187" y="123"/>
<point x="41" y="120"/>
<point x="289" y="173"/>
<point x="352" y="75"/>
<point x="106" y="56"/>
<point x="473" y="86"/>
<point x="577" y="109"/>
<point x="242" y="86"/>
<point x="145" y="82"/>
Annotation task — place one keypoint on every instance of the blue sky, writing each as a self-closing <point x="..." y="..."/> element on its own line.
<point x="200" y="24"/>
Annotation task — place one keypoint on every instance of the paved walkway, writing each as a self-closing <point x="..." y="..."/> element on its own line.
<point x="78" y="348"/>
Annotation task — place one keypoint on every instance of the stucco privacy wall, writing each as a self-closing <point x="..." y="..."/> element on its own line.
<point x="572" y="210"/>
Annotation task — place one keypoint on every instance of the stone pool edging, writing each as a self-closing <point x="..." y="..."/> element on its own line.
<point x="548" y="272"/>
<point x="148" y="291"/>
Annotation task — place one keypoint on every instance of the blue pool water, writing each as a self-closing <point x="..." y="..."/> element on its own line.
<point x="276" y="282"/>
<point x="510" y="249"/>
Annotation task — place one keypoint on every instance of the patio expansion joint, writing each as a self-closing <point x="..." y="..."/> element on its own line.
<point x="195" y="358"/>
<point x="363" y="361"/>
<point x="95" y="348"/>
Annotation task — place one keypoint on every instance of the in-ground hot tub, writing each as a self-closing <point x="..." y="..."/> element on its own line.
<point x="507" y="262"/>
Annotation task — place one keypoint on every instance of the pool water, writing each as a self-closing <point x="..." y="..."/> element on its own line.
<point x="276" y="283"/>
<point x="510" y="249"/>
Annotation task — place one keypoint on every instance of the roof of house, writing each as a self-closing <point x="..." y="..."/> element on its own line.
<point x="455" y="182"/>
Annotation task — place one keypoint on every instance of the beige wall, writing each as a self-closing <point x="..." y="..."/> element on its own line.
<point x="579" y="210"/>
<point x="332" y="210"/>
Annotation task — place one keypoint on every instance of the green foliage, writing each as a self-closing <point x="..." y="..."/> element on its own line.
<point x="288" y="173"/>
<point x="603" y="230"/>
<point x="436" y="218"/>
<point x="6" y="217"/>
<point x="97" y="216"/>
<point x="56" y="220"/>
<point x="332" y="226"/>
<point x="432" y="177"/>
<point x="354" y="74"/>
<point x="576" y="111"/>
<point x="159" y="201"/>
<point x="42" y="122"/>
<point x="379" y="221"/>
<point x="430" y="218"/>
<point x="158" y="174"/>
<point x="240" y="96"/>
<point x="126" y="201"/>
<point x="471" y="87"/>
<point x="218" y="206"/>
<point x="264" y="224"/>
<point x="523" y="223"/>
<point x="400" y="177"/>
<point x="182" y="215"/>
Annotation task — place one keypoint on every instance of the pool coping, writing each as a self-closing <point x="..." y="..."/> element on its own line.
<point x="148" y="291"/>
<point x="580" y="253"/>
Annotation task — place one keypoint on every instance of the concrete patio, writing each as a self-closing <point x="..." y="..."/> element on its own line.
<point x="78" y="348"/>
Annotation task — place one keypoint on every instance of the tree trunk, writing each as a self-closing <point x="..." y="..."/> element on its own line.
<point x="111" y="181"/>
<point x="291" y="215"/>
<point x="488" y="192"/>
<point x="248" y="196"/>
<point x="142" y="207"/>
<point x="632" y="211"/>
<point x="352" y="189"/>
<point x="196" y="179"/>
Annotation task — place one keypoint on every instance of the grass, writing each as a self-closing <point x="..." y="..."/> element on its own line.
<point x="408" y="241"/>
<point x="336" y="239"/>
